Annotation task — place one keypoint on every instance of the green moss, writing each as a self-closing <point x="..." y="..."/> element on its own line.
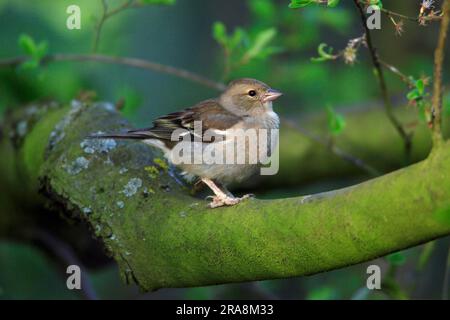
<point x="443" y="214"/>
<point x="152" y="171"/>
<point x="161" y="163"/>
<point x="171" y="242"/>
<point x="36" y="142"/>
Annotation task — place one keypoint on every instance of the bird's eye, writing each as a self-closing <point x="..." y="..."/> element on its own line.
<point x="252" y="93"/>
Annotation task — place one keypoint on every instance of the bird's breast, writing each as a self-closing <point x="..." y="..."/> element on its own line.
<point x="267" y="120"/>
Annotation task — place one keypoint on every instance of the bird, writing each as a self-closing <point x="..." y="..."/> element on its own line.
<point x="245" y="104"/>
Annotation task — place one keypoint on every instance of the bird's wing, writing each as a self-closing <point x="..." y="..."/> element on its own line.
<point x="210" y="115"/>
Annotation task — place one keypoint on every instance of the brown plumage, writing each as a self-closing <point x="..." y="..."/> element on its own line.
<point x="245" y="104"/>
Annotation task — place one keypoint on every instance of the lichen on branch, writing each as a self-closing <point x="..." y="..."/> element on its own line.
<point x="162" y="236"/>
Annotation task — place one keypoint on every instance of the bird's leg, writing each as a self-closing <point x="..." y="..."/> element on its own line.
<point x="221" y="198"/>
<point x="225" y="189"/>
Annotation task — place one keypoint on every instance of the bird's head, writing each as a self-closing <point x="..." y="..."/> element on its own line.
<point x="248" y="96"/>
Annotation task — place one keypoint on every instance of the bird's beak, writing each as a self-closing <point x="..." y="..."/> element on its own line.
<point x="271" y="95"/>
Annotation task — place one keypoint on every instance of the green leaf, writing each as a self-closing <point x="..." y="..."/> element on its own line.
<point x="323" y="54"/>
<point x="420" y="86"/>
<point x="269" y="51"/>
<point x="27" y="44"/>
<point x="413" y="94"/>
<point x="238" y="36"/>
<point x="295" y="4"/>
<point x="336" y="122"/>
<point x="396" y="258"/>
<point x="157" y="2"/>
<point x="376" y="3"/>
<point x="417" y="93"/>
<point x="264" y="10"/>
<point x="41" y="50"/>
<point x="333" y="3"/>
<point x="261" y="41"/>
<point x="220" y="33"/>
<point x="35" y="51"/>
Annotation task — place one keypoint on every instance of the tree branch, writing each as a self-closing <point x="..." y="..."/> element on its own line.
<point x="432" y="16"/>
<point x="163" y="237"/>
<point x="131" y="62"/>
<point x="149" y="65"/>
<point x="359" y="148"/>
<point x="335" y="149"/>
<point x="105" y="16"/>
<point x="391" y="13"/>
<point x="439" y="53"/>
<point x="397" y="72"/>
<point x="382" y="82"/>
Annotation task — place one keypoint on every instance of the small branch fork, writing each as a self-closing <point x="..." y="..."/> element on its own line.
<point x="407" y="138"/>
<point x="105" y="16"/>
<point x="426" y="13"/>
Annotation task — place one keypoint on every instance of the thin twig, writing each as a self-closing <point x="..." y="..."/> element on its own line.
<point x="132" y="62"/>
<point x="419" y="19"/>
<point x="105" y="16"/>
<point x="416" y="19"/>
<point x="439" y="53"/>
<point x="334" y="149"/>
<point x="398" y="15"/>
<point x="124" y="6"/>
<point x="382" y="82"/>
<point x="180" y="73"/>
<point x="227" y="64"/>
<point x="100" y="26"/>
<point x="397" y="72"/>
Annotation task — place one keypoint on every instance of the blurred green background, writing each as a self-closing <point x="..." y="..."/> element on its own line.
<point x="182" y="35"/>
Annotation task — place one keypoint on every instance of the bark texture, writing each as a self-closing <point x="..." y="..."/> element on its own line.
<point x="162" y="236"/>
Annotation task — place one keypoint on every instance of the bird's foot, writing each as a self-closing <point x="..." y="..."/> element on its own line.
<point x="220" y="201"/>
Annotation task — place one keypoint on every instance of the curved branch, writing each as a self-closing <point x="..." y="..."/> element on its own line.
<point x="132" y="62"/>
<point x="337" y="166"/>
<point x="163" y="237"/>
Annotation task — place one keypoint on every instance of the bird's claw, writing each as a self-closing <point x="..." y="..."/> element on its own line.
<point x="220" y="201"/>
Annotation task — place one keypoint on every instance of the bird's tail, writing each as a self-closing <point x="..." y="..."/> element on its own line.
<point x="136" y="135"/>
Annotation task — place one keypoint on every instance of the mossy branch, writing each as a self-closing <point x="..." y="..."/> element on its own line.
<point x="161" y="236"/>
